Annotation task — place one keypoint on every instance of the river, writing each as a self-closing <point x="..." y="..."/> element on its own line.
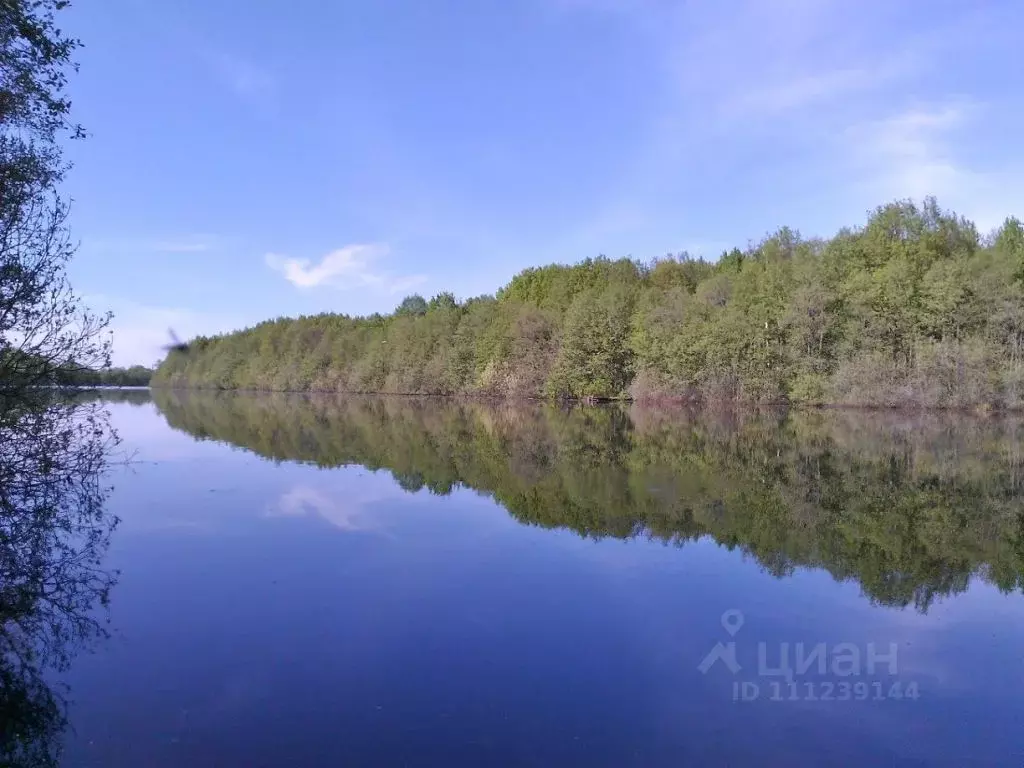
<point x="310" y="581"/>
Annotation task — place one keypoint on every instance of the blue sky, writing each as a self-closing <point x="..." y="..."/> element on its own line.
<point x="310" y="156"/>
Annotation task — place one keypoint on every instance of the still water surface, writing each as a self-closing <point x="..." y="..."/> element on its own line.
<point x="326" y="581"/>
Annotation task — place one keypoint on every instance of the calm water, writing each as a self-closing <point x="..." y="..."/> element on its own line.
<point x="414" y="583"/>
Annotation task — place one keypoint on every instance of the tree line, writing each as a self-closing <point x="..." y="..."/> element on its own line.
<point x="133" y="376"/>
<point x="914" y="308"/>
<point x="911" y="509"/>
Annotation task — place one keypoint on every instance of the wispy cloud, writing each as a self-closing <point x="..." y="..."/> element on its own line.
<point x="797" y="90"/>
<point x="244" y="75"/>
<point x="862" y="103"/>
<point x="910" y="154"/>
<point x="191" y="243"/>
<point x="745" y="87"/>
<point x="922" y="151"/>
<point x="181" y="246"/>
<point x="353" y="266"/>
<point x="747" y="60"/>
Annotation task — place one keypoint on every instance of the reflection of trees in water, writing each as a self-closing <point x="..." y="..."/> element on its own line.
<point x="136" y="397"/>
<point x="54" y="533"/>
<point x="911" y="507"/>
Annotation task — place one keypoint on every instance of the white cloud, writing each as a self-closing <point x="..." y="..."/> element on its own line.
<point x="919" y="152"/>
<point x="914" y="133"/>
<point x="909" y="154"/>
<point x="349" y="267"/>
<point x="354" y="512"/>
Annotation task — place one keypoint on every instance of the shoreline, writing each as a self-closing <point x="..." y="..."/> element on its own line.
<point x="979" y="410"/>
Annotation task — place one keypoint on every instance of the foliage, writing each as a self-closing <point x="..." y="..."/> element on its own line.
<point x="910" y="508"/>
<point x="416" y="305"/>
<point x="135" y="376"/>
<point x="43" y="327"/>
<point x="912" y="309"/>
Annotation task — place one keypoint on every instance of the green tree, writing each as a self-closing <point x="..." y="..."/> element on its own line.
<point x="1009" y="240"/>
<point x="912" y="309"/>
<point x="414" y="305"/>
<point x="43" y="326"/>
<point x="595" y="358"/>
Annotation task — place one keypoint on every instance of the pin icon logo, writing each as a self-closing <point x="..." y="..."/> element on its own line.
<point x="732" y="620"/>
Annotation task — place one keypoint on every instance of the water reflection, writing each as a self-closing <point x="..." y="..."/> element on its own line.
<point x="54" y="533"/>
<point x="910" y="507"/>
<point x="348" y="514"/>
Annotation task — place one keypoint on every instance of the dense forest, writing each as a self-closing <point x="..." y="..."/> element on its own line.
<point x="912" y="309"/>
<point x="135" y="376"/>
<point x="910" y="508"/>
<point x="71" y="374"/>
